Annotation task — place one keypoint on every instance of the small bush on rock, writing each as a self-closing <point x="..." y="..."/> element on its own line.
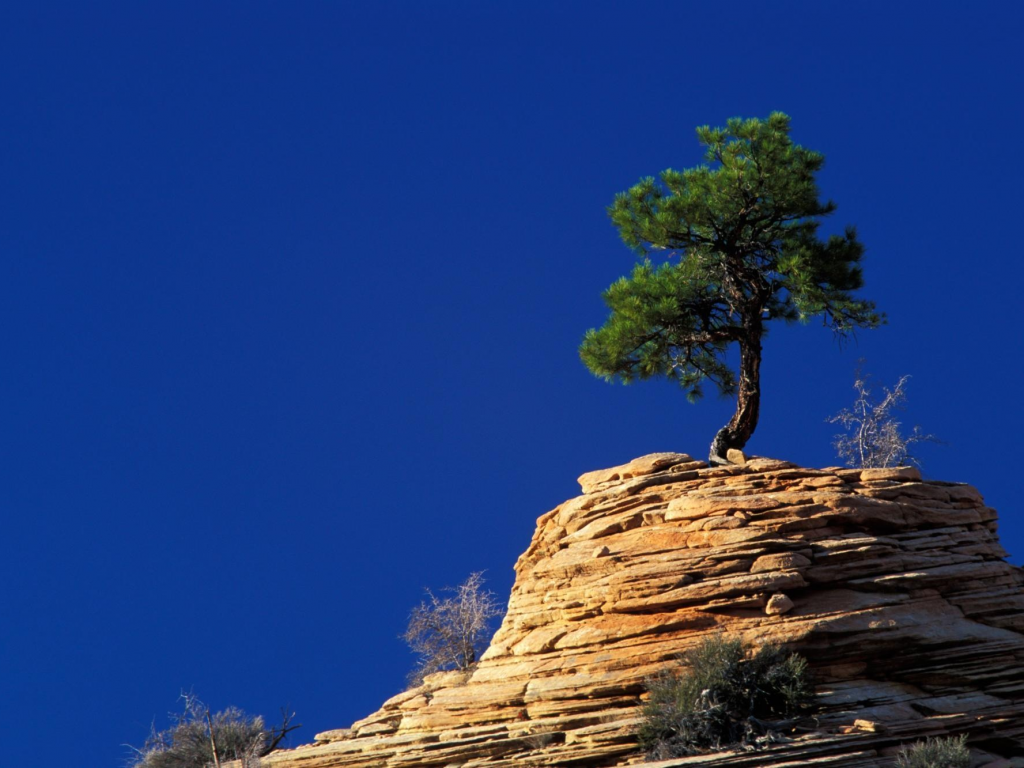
<point x="722" y="696"/>
<point x="874" y="436"/>
<point x="950" y="752"/>
<point x="449" y="633"/>
<point x="199" y="738"/>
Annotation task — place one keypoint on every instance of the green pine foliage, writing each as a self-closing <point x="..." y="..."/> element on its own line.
<point x="950" y="752"/>
<point x="654" y="312"/>
<point x="722" y="696"/>
<point x="736" y="243"/>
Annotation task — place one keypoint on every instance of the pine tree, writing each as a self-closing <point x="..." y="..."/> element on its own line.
<point x="739" y="236"/>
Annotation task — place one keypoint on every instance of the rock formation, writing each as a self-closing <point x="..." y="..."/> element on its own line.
<point x="894" y="588"/>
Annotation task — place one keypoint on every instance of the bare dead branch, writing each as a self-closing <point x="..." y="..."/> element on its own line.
<point x="873" y="437"/>
<point x="448" y="633"/>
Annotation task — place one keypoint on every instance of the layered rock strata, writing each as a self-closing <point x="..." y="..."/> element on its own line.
<point x="894" y="588"/>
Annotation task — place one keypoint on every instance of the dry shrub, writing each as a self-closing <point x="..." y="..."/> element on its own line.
<point x="449" y="633"/>
<point x="873" y="433"/>
<point x="199" y="738"/>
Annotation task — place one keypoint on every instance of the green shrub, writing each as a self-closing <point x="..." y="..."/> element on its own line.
<point x="722" y="696"/>
<point x="950" y="752"/>
<point x="196" y="732"/>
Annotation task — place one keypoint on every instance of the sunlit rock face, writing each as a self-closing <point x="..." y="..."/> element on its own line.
<point x="894" y="588"/>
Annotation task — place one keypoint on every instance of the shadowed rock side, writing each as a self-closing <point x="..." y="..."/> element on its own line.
<point x="895" y="590"/>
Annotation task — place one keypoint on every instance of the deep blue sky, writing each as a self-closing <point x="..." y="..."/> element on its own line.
<point x="291" y="295"/>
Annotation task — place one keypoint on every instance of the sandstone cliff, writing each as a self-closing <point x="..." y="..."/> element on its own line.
<point x="895" y="589"/>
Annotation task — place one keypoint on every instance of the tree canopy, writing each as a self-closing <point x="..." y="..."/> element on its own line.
<point x="738" y="245"/>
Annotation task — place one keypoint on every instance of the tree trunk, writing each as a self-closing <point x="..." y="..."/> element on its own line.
<point x="738" y="431"/>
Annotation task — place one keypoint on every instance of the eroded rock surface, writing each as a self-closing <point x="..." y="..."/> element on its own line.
<point x="894" y="588"/>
